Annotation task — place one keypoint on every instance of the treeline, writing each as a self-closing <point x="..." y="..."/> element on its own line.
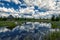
<point x="55" y="18"/>
<point x="3" y="19"/>
<point x="13" y="19"/>
<point x="9" y="18"/>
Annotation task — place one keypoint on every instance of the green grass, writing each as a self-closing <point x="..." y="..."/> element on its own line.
<point x="56" y="24"/>
<point x="11" y="23"/>
<point x="52" y="36"/>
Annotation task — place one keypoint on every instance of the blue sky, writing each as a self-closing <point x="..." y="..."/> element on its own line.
<point x="32" y="6"/>
<point x="11" y="4"/>
<point x="7" y="4"/>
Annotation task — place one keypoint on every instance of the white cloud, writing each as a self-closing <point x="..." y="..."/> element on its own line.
<point x="45" y="4"/>
<point x="32" y="2"/>
<point x="16" y="1"/>
<point x="21" y="10"/>
<point x="11" y="10"/>
<point x="27" y="10"/>
<point x="7" y="0"/>
<point x="48" y="4"/>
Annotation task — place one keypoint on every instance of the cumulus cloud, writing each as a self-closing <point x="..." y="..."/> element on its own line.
<point x="7" y="0"/>
<point x="3" y="9"/>
<point x="15" y="1"/>
<point x="45" y="4"/>
<point x="41" y="3"/>
<point x="21" y="10"/>
<point x="27" y="10"/>
<point x="32" y="2"/>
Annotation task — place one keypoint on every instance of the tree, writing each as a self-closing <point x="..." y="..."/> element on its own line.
<point x="57" y="18"/>
<point x="53" y="18"/>
<point x="10" y="17"/>
<point x="4" y="18"/>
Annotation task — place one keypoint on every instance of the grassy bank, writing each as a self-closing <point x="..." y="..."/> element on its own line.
<point x="56" y="24"/>
<point x="11" y="23"/>
<point x="8" y="24"/>
<point x="52" y="36"/>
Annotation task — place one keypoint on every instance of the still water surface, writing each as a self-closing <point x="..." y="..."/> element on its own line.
<point x="28" y="30"/>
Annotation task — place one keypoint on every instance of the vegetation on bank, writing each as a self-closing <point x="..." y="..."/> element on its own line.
<point x="10" y="21"/>
<point x="8" y="24"/>
<point x="52" y="36"/>
<point x="55" y="24"/>
<point x="55" y="18"/>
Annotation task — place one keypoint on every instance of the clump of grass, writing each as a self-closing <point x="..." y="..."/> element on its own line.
<point x="7" y="23"/>
<point x="52" y="36"/>
<point x="56" y="24"/>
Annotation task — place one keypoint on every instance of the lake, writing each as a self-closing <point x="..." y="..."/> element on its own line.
<point x="27" y="31"/>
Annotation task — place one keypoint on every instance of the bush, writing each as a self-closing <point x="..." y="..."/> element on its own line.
<point x="55" y="18"/>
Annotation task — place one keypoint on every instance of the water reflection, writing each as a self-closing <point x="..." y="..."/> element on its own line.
<point x="30" y="30"/>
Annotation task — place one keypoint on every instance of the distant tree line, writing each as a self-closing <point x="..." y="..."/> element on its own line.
<point x="55" y="18"/>
<point x="3" y="19"/>
<point x="10" y="17"/>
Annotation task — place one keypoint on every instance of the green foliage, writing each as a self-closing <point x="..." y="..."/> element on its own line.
<point x="7" y="23"/>
<point x="55" y="24"/>
<point x="52" y="36"/>
<point x="3" y="19"/>
<point x="29" y="37"/>
<point x="55" y="18"/>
